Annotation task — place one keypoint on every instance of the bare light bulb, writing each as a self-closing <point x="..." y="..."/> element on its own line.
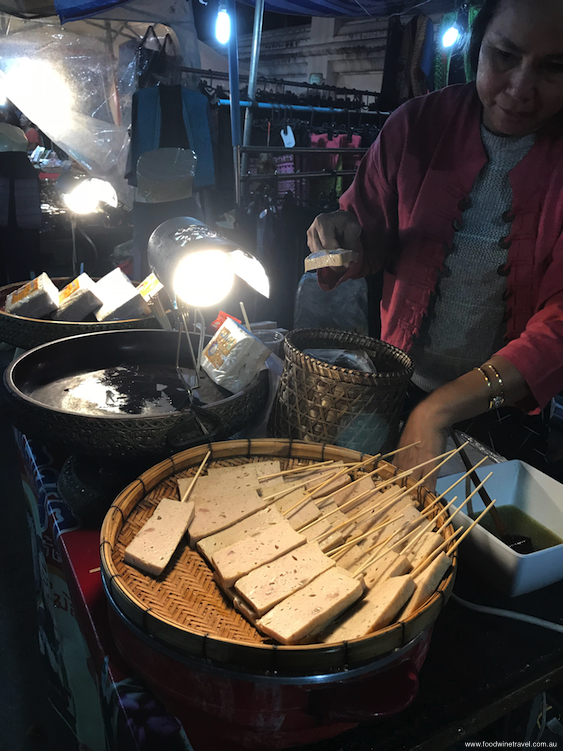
<point x="223" y="26"/>
<point x="203" y="278"/>
<point x="450" y="37"/>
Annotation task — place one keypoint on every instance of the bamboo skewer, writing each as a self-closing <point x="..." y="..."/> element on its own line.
<point x="314" y="490"/>
<point x="457" y="543"/>
<point x="354" y="466"/>
<point x="355" y="500"/>
<point x="447" y="454"/>
<point x="350" y="520"/>
<point x="386" y="549"/>
<point x="301" y="468"/>
<point x="419" y="534"/>
<point x="436" y="552"/>
<point x="390" y="481"/>
<point x="439" y="498"/>
<point x="197" y="474"/>
<point x="468" y="498"/>
<point x="384" y="504"/>
<point x="353" y="540"/>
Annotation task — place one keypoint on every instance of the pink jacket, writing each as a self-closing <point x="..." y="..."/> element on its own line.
<point x="409" y="194"/>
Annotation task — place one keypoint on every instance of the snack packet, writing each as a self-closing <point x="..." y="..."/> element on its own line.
<point x="233" y="357"/>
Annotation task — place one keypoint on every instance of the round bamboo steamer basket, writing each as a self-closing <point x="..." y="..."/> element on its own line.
<point x="183" y="609"/>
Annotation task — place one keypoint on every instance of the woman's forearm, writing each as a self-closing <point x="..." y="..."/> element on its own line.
<point x="470" y="395"/>
<point x="466" y="397"/>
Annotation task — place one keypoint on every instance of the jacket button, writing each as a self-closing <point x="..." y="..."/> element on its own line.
<point x="458" y="224"/>
<point x="503" y="270"/>
<point x="464" y="204"/>
<point x="508" y="216"/>
<point x="506" y="295"/>
<point x="504" y="243"/>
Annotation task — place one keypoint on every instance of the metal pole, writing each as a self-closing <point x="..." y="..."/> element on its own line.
<point x="234" y="85"/>
<point x="252" y="77"/>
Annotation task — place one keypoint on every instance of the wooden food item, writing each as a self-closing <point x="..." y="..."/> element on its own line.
<point x="256" y="550"/>
<point x="378" y="609"/>
<point x="154" y="544"/>
<point x="264" y="587"/>
<point x="311" y="608"/>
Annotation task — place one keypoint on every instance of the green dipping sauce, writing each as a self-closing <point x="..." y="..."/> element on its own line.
<point x="517" y="522"/>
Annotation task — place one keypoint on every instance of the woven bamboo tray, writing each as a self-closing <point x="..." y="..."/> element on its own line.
<point x="185" y="610"/>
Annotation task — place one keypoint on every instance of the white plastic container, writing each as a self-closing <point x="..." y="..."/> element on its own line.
<point x="538" y="495"/>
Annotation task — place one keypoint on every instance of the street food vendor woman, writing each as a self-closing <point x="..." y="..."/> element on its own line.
<point x="460" y="201"/>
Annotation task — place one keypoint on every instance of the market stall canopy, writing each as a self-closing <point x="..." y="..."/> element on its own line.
<point x="375" y="8"/>
<point x="68" y="9"/>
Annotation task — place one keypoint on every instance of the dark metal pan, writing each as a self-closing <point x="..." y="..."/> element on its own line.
<point x="118" y="394"/>
<point x="31" y="332"/>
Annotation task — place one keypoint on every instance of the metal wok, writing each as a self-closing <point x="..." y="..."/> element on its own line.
<point x="117" y="394"/>
<point x="26" y="333"/>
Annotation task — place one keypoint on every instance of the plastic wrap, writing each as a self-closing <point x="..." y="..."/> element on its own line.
<point x="76" y="82"/>
<point x="344" y="308"/>
<point x="233" y="357"/>
<point x="35" y="299"/>
<point x="357" y="359"/>
<point x="165" y="175"/>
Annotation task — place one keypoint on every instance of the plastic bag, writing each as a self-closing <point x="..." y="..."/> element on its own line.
<point x="357" y="359"/>
<point x="344" y="308"/>
<point x="157" y="62"/>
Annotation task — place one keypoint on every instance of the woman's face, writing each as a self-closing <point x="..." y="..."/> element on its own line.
<point x="520" y="70"/>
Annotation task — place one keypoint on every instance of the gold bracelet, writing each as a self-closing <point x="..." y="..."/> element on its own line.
<point x="494" y="401"/>
<point x="499" y="399"/>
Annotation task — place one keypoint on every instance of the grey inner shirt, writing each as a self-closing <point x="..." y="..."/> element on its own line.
<point x="464" y="325"/>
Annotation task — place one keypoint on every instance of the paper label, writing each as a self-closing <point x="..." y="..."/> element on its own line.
<point x="20" y="294"/>
<point x="149" y="287"/>
<point x="68" y="290"/>
<point x="220" y="347"/>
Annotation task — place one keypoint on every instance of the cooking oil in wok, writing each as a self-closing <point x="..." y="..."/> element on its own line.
<point x="518" y="522"/>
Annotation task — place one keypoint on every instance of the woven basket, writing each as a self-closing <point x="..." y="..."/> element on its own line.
<point x="328" y="404"/>
<point x="183" y="608"/>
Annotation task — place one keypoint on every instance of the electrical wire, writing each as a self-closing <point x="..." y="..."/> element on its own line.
<point x="509" y="614"/>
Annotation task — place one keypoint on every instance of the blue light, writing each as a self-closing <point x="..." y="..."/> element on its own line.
<point x="450" y="37"/>
<point x="223" y="26"/>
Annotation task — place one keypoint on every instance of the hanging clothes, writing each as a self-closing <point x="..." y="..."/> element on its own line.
<point x="172" y="116"/>
<point x="389" y="98"/>
<point x="412" y="79"/>
<point x="20" y="218"/>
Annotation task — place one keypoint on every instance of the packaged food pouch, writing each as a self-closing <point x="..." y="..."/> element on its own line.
<point x="121" y="300"/>
<point x="77" y="299"/>
<point x="36" y="299"/>
<point x="233" y="357"/>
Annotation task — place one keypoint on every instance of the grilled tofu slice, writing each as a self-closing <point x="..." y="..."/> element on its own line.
<point x="378" y="609"/>
<point x="312" y="607"/>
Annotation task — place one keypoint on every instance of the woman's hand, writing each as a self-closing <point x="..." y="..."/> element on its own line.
<point x="461" y="399"/>
<point x="338" y="229"/>
<point x="430" y="438"/>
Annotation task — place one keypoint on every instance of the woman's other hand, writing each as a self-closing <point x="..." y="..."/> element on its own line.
<point x="466" y="397"/>
<point x="429" y="437"/>
<point x="337" y="229"/>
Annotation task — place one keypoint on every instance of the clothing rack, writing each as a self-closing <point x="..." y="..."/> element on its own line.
<point x="310" y="87"/>
<point x="302" y="108"/>
<point x="240" y="178"/>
